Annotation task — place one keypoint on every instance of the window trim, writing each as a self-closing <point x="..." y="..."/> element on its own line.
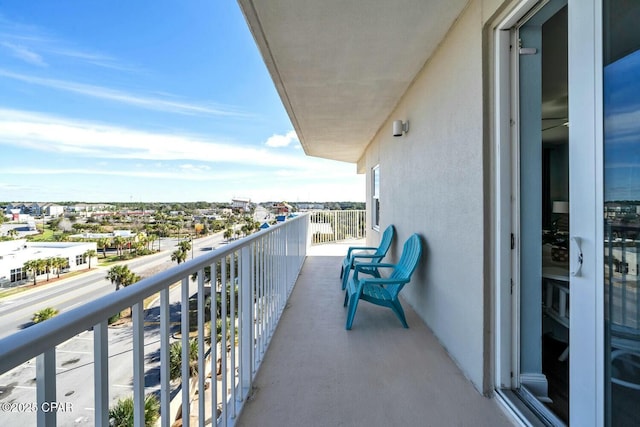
<point x="375" y="197"/>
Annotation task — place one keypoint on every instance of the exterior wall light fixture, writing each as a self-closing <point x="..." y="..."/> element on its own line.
<point x="400" y="127"/>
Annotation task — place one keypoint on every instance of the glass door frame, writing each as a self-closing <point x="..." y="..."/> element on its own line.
<point x="586" y="182"/>
<point x="586" y="210"/>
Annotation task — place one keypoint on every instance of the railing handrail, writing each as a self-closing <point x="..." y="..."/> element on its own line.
<point x="34" y="340"/>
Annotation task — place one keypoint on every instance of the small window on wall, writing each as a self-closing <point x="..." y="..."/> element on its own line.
<point x="375" y="197"/>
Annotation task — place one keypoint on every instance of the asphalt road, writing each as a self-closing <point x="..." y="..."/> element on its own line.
<point x="16" y="310"/>
<point x="74" y="358"/>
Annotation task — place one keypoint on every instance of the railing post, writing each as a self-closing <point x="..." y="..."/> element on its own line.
<point x="214" y="345"/>
<point x="101" y="374"/>
<point x="138" y="364"/>
<point x="201" y="362"/>
<point x="223" y="339"/>
<point x="46" y="387"/>
<point x="246" y="319"/>
<point x="165" y="386"/>
<point x="232" y="333"/>
<point x="185" y="359"/>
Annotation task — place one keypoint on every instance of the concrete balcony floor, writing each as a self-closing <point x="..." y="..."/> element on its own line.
<point x="316" y="373"/>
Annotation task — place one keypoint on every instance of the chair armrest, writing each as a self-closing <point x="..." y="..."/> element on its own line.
<point x="369" y="265"/>
<point x="381" y="281"/>
<point x="359" y="248"/>
<point x="366" y="256"/>
<point x="362" y="268"/>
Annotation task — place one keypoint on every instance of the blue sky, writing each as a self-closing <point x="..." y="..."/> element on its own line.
<point x="622" y="129"/>
<point x="147" y="101"/>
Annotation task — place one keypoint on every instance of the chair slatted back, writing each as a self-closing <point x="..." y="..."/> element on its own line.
<point x="411" y="252"/>
<point x="385" y="243"/>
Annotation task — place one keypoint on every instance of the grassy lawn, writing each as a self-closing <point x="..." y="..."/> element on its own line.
<point x="46" y="236"/>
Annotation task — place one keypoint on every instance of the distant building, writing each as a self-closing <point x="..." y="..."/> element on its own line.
<point x="15" y="253"/>
<point x="241" y="203"/>
<point x="127" y="234"/>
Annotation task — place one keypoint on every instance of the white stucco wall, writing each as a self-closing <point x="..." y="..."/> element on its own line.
<point x="431" y="182"/>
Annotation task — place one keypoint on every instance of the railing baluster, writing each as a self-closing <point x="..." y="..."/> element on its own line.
<point x="232" y="339"/>
<point x="214" y="344"/>
<point x="165" y="387"/>
<point x="46" y="387"/>
<point x="184" y="325"/>
<point x="201" y="362"/>
<point x="223" y="342"/>
<point x="262" y="299"/>
<point x="137" y="312"/>
<point x="101" y="374"/>
<point x="246" y="320"/>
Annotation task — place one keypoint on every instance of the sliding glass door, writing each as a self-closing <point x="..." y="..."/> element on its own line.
<point x="621" y="110"/>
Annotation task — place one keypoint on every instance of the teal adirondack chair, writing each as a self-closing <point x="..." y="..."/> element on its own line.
<point x="384" y="291"/>
<point x="363" y="255"/>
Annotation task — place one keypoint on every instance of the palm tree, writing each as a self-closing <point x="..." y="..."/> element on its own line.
<point x="179" y="256"/>
<point x="103" y="243"/>
<point x="48" y="266"/>
<point x="228" y="233"/>
<point x="121" y="414"/>
<point x="32" y="266"/>
<point x="119" y="241"/>
<point x="185" y="245"/>
<point x="121" y="276"/>
<point x="151" y="238"/>
<point x="88" y="254"/>
<point x="44" y="314"/>
<point x="175" y="359"/>
<point x="60" y="263"/>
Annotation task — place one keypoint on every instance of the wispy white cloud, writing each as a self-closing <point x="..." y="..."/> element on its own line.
<point x="24" y="53"/>
<point x="45" y="132"/>
<point x="193" y="175"/>
<point x="137" y="100"/>
<point x="32" y="44"/>
<point x="277" y="141"/>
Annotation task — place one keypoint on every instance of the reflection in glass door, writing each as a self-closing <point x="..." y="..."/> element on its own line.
<point x="621" y="83"/>
<point x="544" y="211"/>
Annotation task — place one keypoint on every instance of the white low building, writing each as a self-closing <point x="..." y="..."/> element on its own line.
<point x="15" y="253"/>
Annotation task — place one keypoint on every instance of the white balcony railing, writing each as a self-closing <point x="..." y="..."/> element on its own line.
<point x="335" y="226"/>
<point x="262" y="268"/>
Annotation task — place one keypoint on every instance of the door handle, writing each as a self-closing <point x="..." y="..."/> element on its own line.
<point x="575" y="256"/>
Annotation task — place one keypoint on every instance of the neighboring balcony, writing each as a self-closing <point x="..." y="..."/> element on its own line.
<point x="283" y="356"/>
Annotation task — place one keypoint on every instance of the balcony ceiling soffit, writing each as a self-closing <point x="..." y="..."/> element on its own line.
<point x="341" y="67"/>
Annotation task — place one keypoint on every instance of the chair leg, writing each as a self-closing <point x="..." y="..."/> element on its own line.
<point x="397" y="309"/>
<point x="345" y="280"/>
<point x="346" y="298"/>
<point x="341" y="272"/>
<point x="353" y="305"/>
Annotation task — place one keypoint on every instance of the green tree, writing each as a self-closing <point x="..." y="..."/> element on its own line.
<point x="120" y="275"/>
<point x="119" y="242"/>
<point x="49" y="264"/>
<point x="60" y="263"/>
<point x="179" y="256"/>
<point x="185" y="245"/>
<point x="88" y="254"/>
<point x="103" y="243"/>
<point x="121" y="414"/>
<point x="31" y="266"/>
<point x="175" y="359"/>
<point x="44" y="314"/>
<point x="13" y="233"/>
<point x="151" y="238"/>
